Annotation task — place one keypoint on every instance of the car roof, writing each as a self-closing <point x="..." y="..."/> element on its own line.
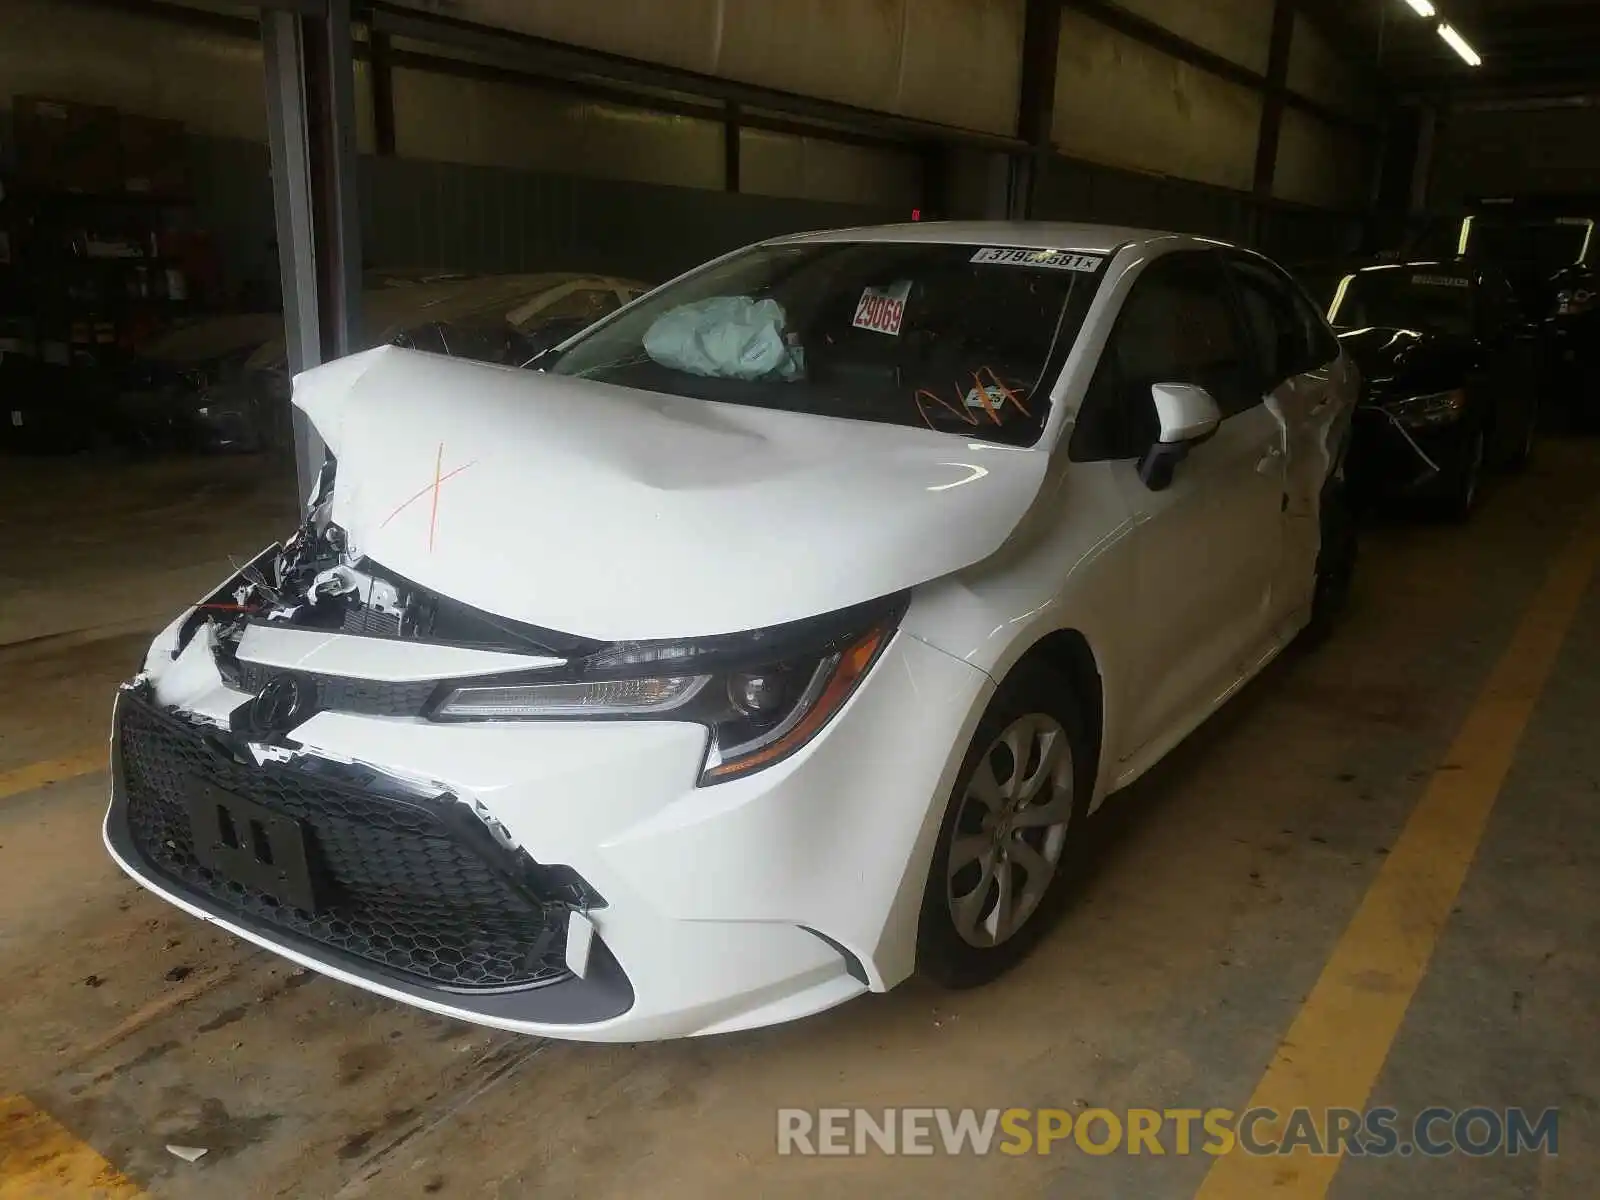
<point x="1053" y="235"/>
<point x="1467" y="268"/>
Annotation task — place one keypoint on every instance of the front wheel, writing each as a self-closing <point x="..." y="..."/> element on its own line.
<point x="1523" y="453"/>
<point x="1461" y="500"/>
<point x="1009" y="846"/>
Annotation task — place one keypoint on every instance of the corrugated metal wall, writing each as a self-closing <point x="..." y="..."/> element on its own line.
<point x="1240" y="30"/>
<point x="1121" y="102"/>
<point x="416" y="213"/>
<point x="1080" y="191"/>
<point x="953" y="61"/>
<point x="495" y="175"/>
<point x="493" y="218"/>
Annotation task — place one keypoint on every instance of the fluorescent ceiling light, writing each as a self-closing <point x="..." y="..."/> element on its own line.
<point x="1460" y="46"/>
<point x="1423" y="8"/>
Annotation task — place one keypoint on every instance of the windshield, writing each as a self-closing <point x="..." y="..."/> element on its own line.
<point x="1425" y="298"/>
<point x="964" y="339"/>
<point x="1528" y="250"/>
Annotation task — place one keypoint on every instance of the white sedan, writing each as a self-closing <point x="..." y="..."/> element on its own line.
<point x="769" y="641"/>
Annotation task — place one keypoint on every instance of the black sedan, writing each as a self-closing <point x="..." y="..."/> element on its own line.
<point x="1450" y="378"/>
<point x="1573" y="338"/>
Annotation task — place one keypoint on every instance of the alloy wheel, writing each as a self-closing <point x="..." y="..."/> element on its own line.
<point x="1010" y="830"/>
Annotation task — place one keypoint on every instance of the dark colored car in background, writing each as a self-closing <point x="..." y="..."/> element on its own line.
<point x="1545" y="246"/>
<point x="504" y="319"/>
<point x="1450" y="368"/>
<point x="164" y="403"/>
<point x="1572" y="339"/>
<point x="221" y="384"/>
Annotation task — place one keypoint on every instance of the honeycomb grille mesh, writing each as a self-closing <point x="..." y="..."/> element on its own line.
<point x="397" y="887"/>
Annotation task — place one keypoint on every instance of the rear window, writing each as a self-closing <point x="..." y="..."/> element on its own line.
<point x="964" y="339"/>
<point x="1432" y="298"/>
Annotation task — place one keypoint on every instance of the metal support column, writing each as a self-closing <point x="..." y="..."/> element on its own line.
<point x="310" y="79"/>
<point x="1275" y="98"/>
<point x="1036" y="102"/>
<point x="1422" y="168"/>
<point x="730" y="148"/>
<point x="381" y="66"/>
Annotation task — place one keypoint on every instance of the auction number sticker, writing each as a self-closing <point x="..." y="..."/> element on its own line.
<point x="883" y="309"/>
<point x="1055" y="260"/>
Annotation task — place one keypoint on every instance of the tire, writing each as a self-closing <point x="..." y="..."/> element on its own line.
<point x="1461" y="498"/>
<point x="1035" y="709"/>
<point x="1336" y="562"/>
<point x="1523" y="454"/>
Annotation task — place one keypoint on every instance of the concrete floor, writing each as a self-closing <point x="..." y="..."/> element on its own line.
<point x="1224" y="881"/>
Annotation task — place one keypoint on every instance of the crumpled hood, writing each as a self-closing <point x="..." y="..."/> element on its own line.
<point x="619" y="514"/>
<point x="1408" y="362"/>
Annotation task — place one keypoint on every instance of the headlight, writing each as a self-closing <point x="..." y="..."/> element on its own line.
<point x="1574" y="302"/>
<point x="1436" y="408"/>
<point x="763" y="694"/>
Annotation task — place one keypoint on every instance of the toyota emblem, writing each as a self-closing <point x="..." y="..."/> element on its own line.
<point x="281" y="704"/>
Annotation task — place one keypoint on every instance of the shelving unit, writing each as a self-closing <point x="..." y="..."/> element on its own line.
<point x="98" y="243"/>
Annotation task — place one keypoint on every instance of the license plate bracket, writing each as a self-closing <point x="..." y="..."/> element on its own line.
<point x="246" y="843"/>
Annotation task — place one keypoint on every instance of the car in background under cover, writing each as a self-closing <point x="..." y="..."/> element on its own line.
<point x="772" y="639"/>
<point x="1451" y="378"/>
<point x="221" y="384"/>
<point x="164" y="398"/>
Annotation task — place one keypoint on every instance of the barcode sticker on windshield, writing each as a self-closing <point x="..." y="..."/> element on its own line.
<point x="1440" y="281"/>
<point x="1056" y="260"/>
<point x="883" y="309"/>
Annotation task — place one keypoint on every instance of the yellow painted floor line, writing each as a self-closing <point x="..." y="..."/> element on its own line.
<point x="1339" y="1040"/>
<point x="36" y="775"/>
<point x="40" y="1160"/>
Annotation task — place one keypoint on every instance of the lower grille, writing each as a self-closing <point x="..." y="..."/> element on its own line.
<point x="404" y="883"/>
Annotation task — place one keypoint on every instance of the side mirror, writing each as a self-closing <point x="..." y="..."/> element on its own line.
<point x="1187" y="415"/>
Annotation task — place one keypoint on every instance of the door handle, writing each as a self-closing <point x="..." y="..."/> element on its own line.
<point x="1270" y="460"/>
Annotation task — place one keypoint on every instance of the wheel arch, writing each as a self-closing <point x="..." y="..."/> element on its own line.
<point x="1067" y="653"/>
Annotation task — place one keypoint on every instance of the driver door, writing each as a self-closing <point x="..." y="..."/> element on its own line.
<point x="1207" y="547"/>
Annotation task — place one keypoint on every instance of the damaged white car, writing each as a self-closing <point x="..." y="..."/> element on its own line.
<point x="769" y="641"/>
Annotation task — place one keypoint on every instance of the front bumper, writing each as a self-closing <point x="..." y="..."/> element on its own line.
<point x="1388" y="461"/>
<point x="748" y="903"/>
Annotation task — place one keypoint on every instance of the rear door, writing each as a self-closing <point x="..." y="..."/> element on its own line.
<point x="1207" y="547"/>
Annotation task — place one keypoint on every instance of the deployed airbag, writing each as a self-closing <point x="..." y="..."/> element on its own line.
<point x="725" y="337"/>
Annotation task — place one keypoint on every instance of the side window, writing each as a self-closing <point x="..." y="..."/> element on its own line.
<point x="1283" y="338"/>
<point x="1324" y="345"/>
<point x="1177" y="325"/>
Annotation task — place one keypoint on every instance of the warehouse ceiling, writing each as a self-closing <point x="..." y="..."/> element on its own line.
<point x="1528" y="47"/>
